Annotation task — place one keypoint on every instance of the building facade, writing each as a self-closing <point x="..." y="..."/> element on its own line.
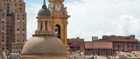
<point x="12" y="23"/>
<point x="138" y="47"/>
<point x="106" y="46"/>
<point x="98" y="48"/>
<point x="76" y="44"/>
<point x="122" y="43"/>
<point x="17" y="47"/>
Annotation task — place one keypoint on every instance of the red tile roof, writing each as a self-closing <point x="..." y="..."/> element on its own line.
<point x="98" y="45"/>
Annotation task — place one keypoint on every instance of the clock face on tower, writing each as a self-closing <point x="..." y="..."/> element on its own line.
<point x="57" y="7"/>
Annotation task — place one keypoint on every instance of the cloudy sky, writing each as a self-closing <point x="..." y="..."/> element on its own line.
<point x="93" y="17"/>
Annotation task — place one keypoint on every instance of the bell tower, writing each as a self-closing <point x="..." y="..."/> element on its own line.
<point x="59" y="20"/>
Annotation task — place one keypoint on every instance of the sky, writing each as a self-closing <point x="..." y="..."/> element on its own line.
<point x="93" y="17"/>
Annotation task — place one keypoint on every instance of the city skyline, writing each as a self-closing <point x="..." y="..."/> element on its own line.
<point x="93" y="18"/>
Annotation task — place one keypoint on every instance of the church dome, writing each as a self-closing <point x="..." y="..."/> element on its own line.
<point x="44" y="46"/>
<point x="44" y="12"/>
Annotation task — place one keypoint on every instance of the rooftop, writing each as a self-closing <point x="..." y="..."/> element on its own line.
<point x="101" y="45"/>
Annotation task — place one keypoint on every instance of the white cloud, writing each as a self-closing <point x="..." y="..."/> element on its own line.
<point x="97" y="17"/>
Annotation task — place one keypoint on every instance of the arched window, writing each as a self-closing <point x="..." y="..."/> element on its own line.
<point x="58" y="31"/>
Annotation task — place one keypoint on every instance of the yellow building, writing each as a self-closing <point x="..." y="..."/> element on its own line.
<point x="44" y="44"/>
<point x="59" y="20"/>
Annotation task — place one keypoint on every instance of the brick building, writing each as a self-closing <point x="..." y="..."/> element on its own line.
<point x="99" y="48"/>
<point x="138" y="47"/>
<point x="76" y="44"/>
<point x="17" y="47"/>
<point x="12" y="23"/>
<point x="122" y="43"/>
<point x="106" y="46"/>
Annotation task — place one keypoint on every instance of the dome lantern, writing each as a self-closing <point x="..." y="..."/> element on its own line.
<point x="44" y="11"/>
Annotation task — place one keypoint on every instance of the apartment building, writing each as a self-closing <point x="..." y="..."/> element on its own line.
<point x="12" y="23"/>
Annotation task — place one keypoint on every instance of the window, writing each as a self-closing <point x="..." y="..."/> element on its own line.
<point x="19" y="0"/>
<point x="2" y="21"/>
<point x="2" y="17"/>
<point x="23" y="29"/>
<point x="17" y="18"/>
<point x="113" y="45"/>
<point x="20" y="4"/>
<point x="19" y="52"/>
<point x="23" y="26"/>
<point x="5" y="8"/>
<point x="15" y="10"/>
<point x="7" y="22"/>
<point x="23" y="41"/>
<point x="10" y="11"/>
<point x="11" y="8"/>
<point x="2" y="40"/>
<point x="15" y="4"/>
<point x="7" y="45"/>
<point x="20" y="8"/>
<point x="13" y="47"/>
<point x="4" y="3"/>
<point x="19" y="47"/>
<point x="7" y="41"/>
<point x="57" y="31"/>
<point x="17" y="37"/>
<point x="23" y="18"/>
<point x="17" y="40"/>
<point x="17" y="29"/>
<point x="2" y="36"/>
<point x="16" y="47"/>
<point x="7" y="19"/>
<point x="2" y="29"/>
<point x="23" y="37"/>
<point x="2" y="32"/>
<point x="2" y="48"/>
<point x="17" y="26"/>
<point x="2" y="44"/>
<point x="2" y="25"/>
<point x="22" y="33"/>
<point x="17" y="14"/>
<point x="10" y="3"/>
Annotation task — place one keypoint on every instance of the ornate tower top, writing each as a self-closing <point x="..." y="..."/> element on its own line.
<point x="52" y="1"/>
<point x="44" y="21"/>
<point x="44" y="2"/>
<point x="44" y="12"/>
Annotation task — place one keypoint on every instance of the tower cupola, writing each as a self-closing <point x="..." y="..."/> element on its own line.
<point x="44" y="11"/>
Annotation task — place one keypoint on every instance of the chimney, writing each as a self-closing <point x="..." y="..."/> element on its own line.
<point x="77" y="37"/>
<point x="94" y="38"/>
